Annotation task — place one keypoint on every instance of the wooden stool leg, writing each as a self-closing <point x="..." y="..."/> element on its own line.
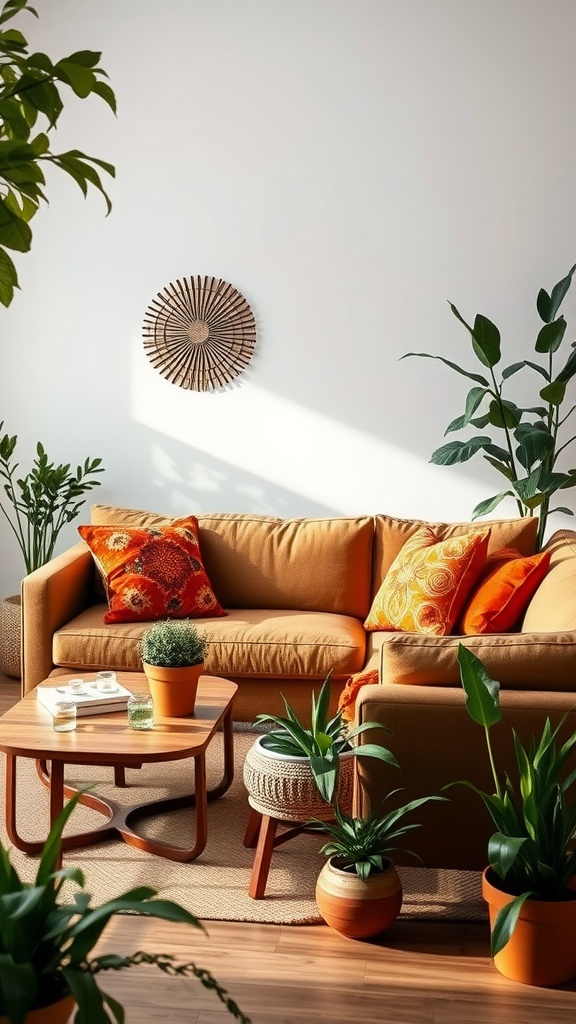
<point x="262" y="857"/>
<point x="252" y="828"/>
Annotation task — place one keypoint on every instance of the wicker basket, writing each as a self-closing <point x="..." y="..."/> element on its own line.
<point x="283" y="787"/>
<point x="10" y="634"/>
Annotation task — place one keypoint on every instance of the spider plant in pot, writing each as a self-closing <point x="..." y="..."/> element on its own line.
<point x="529" y="884"/>
<point x="173" y="653"/>
<point x="359" y="891"/>
<point x="46" y="943"/>
<point x="309" y="765"/>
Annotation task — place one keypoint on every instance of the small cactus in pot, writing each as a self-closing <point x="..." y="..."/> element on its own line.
<point x="173" y="653"/>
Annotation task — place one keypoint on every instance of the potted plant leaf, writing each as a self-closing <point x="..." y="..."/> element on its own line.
<point x="36" y="507"/>
<point x="310" y="764"/>
<point x="46" y="942"/>
<point x="359" y="891"/>
<point x="531" y="435"/>
<point x="173" y="653"/>
<point x="529" y="883"/>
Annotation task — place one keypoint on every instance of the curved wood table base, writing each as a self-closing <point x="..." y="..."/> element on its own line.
<point x="121" y="819"/>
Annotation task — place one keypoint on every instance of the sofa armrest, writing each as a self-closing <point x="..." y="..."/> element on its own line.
<point x="51" y="596"/>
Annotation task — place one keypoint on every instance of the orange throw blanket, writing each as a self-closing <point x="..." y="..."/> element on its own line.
<point x="350" y="692"/>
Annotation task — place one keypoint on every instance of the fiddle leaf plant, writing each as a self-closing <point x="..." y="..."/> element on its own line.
<point x="525" y="452"/>
<point x="31" y="103"/>
<point x="42" y="502"/>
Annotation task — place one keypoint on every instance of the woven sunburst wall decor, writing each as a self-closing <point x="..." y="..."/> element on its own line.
<point x="199" y="333"/>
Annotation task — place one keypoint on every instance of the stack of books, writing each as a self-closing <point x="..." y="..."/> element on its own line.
<point x="91" y="702"/>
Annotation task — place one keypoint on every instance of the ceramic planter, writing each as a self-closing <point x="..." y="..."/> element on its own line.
<point x="356" y="908"/>
<point x="283" y="786"/>
<point x="173" y="689"/>
<point x="542" y="948"/>
<point x="56" y="1013"/>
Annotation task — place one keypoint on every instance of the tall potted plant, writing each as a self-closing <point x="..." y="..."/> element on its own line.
<point x="529" y="883"/>
<point x="46" y="963"/>
<point x="36" y="507"/>
<point x="531" y="435"/>
<point x="173" y="653"/>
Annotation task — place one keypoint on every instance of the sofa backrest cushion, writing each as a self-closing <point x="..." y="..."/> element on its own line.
<point x="553" y="606"/>
<point x="392" y="533"/>
<point x="256" y="561"/>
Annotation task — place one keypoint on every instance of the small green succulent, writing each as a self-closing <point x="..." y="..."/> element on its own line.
<point x="173" y="643"/>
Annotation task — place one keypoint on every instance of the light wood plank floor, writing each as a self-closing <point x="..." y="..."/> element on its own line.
<point x="417" y="973"/>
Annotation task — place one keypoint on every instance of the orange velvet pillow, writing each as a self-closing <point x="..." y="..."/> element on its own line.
<point x="428" y="582"/>
<point x="152" y="572"/>
<point x="504" y="591"/>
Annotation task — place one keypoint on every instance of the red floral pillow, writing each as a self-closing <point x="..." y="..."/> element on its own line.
<point x="153" y="572"/>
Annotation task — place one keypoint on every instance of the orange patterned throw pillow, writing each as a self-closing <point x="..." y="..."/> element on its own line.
<point x="428" y="582"/>
<point x="152" y="572"/>
<point x="504" y="591"/>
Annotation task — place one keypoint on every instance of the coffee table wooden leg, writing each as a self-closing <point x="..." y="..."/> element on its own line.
<point x="262" y="857"/>
<point x="56" y="798"/>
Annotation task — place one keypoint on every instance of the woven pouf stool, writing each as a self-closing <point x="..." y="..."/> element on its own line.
<point x="283" y="798"/>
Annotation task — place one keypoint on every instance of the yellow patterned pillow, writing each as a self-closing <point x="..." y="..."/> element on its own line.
<point x="428" y="582"/>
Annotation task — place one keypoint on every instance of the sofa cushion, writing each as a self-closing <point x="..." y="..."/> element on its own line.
<point x="258" y="561"/>
<point x="554" y="603"/>
<point x="428" y="582"/>
<point x="392" y="533"/>
<point x="519" y="661"/>
<point x="504" y="591"/>
<point x="152" y="572"/>
<point x="260" y="642"/>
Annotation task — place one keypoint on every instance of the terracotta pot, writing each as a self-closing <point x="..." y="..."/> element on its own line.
<point x="56" y="1013"/>
<point x="542" y="948"/>
<point x="173" y="689"/>
<point x="283" y="786"/>
<point x="355" y="908"/>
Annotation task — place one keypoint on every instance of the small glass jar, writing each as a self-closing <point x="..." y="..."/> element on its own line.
<point x="106" y="681"/>
<point x="64" y="719"/>
<point x="140" y="711"/>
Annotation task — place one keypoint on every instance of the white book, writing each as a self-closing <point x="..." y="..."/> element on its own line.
<point x="91" y="702"/>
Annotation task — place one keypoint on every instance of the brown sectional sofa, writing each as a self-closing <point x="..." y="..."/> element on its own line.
<point x="297" y="593"/>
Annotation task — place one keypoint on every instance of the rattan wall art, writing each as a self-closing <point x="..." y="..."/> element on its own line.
<point x="199" y="333"/>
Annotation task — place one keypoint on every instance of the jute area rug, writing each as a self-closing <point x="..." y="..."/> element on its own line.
<point x="215" y="886"/>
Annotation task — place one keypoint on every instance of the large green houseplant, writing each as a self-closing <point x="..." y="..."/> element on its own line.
<point x="531" y="435"/>
<point x="31" y="87"/>
<point x="46" y="942"/>
<point x="531" y="854"/>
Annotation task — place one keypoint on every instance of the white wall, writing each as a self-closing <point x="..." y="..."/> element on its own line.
<point x="348" y="165"/>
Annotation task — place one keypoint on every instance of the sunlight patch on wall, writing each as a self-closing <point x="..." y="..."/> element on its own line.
<point x="296" y="448"/>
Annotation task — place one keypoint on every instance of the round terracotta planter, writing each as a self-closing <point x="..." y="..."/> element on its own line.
<point x="542" y="948"/>
<point x="56" y="1013"/>
<point x="173" y="689"/>
<point x="283" y="786"/>
<point x="355" y="908"/>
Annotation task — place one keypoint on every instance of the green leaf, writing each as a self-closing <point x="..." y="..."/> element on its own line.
<point x="473" y="400"/>
<point x="14" y="231"/>
<point x="482" y="692"/>
<point x="80" y="79"/>
<point x="483" y="508"/>
<point x="510" y="370"/>
<point x="550" y="336"/>
<point x="535" y="444"/>
<point x="8" y="278"/>
<point x="544" y="306"/>
<point x="559" y="291"/>
<point x="453" y="366"/>
<point x="459" y="451"/>
<point x="503" y="851"/>
<point x="504" y="414"/>
<point x="486" y="341"/>
<point x="528" y="487"/>
<point x="506" y="922"/>
<point x="569" y="369"/>
<point x="103" y="90"/>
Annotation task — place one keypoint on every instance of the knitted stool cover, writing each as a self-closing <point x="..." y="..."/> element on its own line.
<point x="284" y="787"/>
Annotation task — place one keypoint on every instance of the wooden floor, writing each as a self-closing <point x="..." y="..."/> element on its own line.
<point x="417" y="973"/>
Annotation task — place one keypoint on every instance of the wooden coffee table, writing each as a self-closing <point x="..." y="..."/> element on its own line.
<point x="26" y="731"/>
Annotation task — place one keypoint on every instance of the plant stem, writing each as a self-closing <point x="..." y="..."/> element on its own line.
<point x="498" y="396"/>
